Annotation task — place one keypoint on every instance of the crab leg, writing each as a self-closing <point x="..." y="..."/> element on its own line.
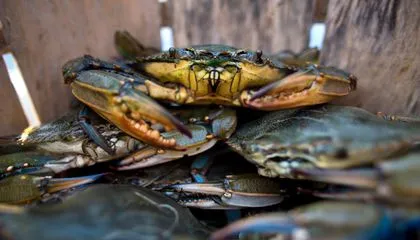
<point x="366" y="178"/>
<point x="129" y="47"/>
<point x="26" y="188"/>
<point x="90" y="130"/>
<point x="310" y="86"/>
<point x="324" y="220"/>
<point x="58" y="184"/>
<point x="391" y="179"/>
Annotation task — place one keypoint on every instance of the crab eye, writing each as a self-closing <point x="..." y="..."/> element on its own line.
<point x="172" y="52"/>
<point x="258" y="57"/>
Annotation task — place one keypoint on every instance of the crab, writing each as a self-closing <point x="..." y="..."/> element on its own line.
<point x="63" y="144"/>
<point x="127" y="95"/>
<point x="370" y="165"/>
<point x="282" y="143"/>
<point x="116" y="211"/>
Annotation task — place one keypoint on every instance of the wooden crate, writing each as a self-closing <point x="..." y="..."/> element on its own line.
<point x="375" y="40"/>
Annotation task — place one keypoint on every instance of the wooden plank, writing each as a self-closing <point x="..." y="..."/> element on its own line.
<point x="12" y="119"/>
<point x="268" y="25"/>
<point x="45" y="34"/>
<point x="320" y="10"/>
<point x="378" y="41"/>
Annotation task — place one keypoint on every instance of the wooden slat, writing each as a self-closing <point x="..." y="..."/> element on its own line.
<point x="45" y="34"/>
<point x="266" y="24"/>
<point x="320" y="10"/>
<point x="12" y="119"/>
<point x="378" y="41"/>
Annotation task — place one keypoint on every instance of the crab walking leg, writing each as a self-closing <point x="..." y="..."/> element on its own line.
<point x="398" y="118"/>
<point x="392" y="179"/>
<point x="91" y="131"/>
<point x="116" y="96"/>
<point x="129" y="47"/>
<point x="324" y="220"/>
<point x="310" y="86"/>
<point x="26" y="188"/>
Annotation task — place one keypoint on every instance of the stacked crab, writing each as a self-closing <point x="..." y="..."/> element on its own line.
<point x="214" y="107"/>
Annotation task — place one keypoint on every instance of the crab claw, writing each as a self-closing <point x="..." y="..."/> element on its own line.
<point x="116" y="97"/>
<point x="324" y="220"/>
<point x="231" y="193"/>
<point x="314" y="85"/>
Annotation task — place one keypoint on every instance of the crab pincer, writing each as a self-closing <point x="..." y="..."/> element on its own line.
<point x="118" y="97"/>
<point x="313" y="85"/>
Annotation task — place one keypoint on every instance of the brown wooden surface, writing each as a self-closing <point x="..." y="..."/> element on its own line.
<point x="320" y="10"/>
<point x="378" y="41"/>
<point x="12" y="119"/>
<point x="269" y="25"/>
<point x="45" y="34"/>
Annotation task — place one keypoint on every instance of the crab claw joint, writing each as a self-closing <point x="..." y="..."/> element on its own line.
<point x="315" y="85"/>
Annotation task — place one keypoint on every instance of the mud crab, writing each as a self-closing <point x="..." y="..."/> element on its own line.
<point x="321" y="137"/>
<point x="62" y="144"/>
<point x="210" y="74"/>
<point x="371" y="166"/>
<point x="127" y="212"/>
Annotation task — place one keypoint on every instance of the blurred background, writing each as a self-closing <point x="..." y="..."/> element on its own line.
<point x="378" y="41"/>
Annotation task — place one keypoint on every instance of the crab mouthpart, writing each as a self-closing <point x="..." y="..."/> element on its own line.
<point x="214" y="79"/>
